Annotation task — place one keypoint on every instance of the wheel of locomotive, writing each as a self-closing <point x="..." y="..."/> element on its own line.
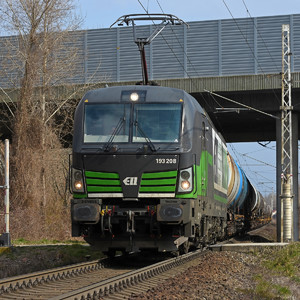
<point x="184" y="248"/>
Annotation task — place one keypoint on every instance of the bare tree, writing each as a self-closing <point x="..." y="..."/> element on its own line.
<point x="40" y="56"/>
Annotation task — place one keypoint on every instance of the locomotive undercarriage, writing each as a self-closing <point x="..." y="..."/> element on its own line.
<point x="163" y="225"/>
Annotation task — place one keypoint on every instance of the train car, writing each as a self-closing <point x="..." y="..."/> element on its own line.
<point x="150" y="172"/>
<point x="244" y="201"/>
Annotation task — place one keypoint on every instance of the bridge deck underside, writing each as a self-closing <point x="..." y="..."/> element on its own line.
<point x="239" y="124"/>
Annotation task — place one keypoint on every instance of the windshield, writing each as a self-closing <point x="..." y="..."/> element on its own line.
<point x="157" y="122"/>
<point x="153" y="123"/>
<point x="101" y="121"/>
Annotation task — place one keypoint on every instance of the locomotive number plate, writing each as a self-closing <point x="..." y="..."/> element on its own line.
<point x="166" y="160"/>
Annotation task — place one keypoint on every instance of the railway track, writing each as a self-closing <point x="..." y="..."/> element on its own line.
<point x="93" y="280"/>
<point x="50" y="283"/>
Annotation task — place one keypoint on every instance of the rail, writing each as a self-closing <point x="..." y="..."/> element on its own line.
<point x="32" y="279"/>
<point x="118" y="283"/>
<point x="50" y="283"/>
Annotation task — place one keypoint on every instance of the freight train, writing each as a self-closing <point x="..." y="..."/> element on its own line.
<point x="151" y="172"/>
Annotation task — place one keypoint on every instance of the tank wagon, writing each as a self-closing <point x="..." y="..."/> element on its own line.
<point x="150" y="171"/>
<point x="245" y="204"/>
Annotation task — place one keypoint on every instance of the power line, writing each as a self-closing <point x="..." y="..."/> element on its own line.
<point x="244" y="105"/>
<point x="253" y="54"/>
<point x="260" y="36"/>
<point x="263" y="162"/>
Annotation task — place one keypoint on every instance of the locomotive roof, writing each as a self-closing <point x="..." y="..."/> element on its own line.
<point x="153" y="94"/>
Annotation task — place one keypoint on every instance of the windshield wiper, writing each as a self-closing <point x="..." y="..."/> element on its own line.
<point x="119" y="126"/>
<point x="148" y="141"/>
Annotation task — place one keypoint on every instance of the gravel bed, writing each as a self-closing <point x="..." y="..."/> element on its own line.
<point x="219" y="275"/>
<point x="228" y="275"/>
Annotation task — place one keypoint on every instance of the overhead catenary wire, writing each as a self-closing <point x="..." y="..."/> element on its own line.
<point x="260" y="161"/>
<point x="253" y="54"/>
<point x="267" y="48"/>
<point x="243" y="35"/>
<point x="241" y="104"/>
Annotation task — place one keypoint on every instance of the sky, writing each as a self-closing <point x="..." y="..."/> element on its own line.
<point x="102" y="13"/>
<point x="257" y="160"/>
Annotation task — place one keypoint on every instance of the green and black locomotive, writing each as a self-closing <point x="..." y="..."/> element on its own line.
<point x="150" y="172"/>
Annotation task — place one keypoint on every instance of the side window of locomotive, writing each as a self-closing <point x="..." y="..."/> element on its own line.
<point x="225" y="169"/>
<point x="216" y="160"/>
<point x="159" y="122"/>
<point x="220" y="163"/>
<point x="103" y="120"/>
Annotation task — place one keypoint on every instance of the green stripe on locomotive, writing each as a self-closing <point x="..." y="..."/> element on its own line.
<point x="103" y="182"/>
<point x="159" y="182"/>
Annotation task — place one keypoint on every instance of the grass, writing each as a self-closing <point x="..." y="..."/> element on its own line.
<point x="21" y="242"/>
<point x="68" y="252"/>
<point x="21" y="260"/>
<point x="282" y="263"/>
<point x="285" y="261"/>
<point x="75" y="253"/>
<point x="4" y="250"/>
<point x="267" y="290"/>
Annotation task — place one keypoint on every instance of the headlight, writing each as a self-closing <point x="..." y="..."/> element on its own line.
<point x="78" y="185"/>
<point x="185" y="185"/>
<point x="185" y="180"/>
<point x="77" y="181"/>
<point x="134" y="97"/>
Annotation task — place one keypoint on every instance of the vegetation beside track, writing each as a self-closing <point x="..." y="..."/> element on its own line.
<point x="280" y="273"/>
<point x="21" y="260"/>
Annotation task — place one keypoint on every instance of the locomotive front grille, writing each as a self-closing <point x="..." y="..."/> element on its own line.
<point x="158" y="184"/>
<point x="152" y="184"/>
<point x="103" y="184"/>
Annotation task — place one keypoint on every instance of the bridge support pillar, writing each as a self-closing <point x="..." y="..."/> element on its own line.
<point x="296" y="204"/>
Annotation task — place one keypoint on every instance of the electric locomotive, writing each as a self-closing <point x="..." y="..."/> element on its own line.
<point x="149" y="171"/>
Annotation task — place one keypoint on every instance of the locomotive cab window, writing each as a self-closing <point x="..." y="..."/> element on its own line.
<point x="159" y="122"/>
<point x="102" y="121"/>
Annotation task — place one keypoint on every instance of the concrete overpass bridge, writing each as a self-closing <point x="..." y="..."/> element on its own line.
<point x="235" y="122"/>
